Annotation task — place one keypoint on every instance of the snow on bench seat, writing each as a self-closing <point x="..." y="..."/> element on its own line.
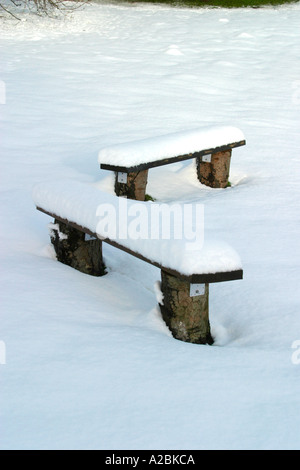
<point x="164" y="149"/>
<point x="77" y="204"/>
<point x="211" y="147"/>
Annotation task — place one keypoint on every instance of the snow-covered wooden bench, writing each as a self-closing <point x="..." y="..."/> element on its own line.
<point x="85" y="216"/>
<point x="211" y="147"/>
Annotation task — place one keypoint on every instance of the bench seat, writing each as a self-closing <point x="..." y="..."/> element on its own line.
<point x="80" y="208"/>
<point x="210" y="146"/>
<point x="76" y="204"/>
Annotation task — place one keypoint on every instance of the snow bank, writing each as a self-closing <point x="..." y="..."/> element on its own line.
<point x="169" y="145"/>
<point x="178" y="245"/>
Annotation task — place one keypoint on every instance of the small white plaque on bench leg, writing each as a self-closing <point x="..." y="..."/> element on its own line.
<point x="122" y="177"/>
<point x="206" y="158"/>
<point x="197" y="289"/>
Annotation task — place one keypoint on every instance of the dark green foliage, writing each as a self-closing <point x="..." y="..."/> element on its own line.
<point x="219" y="3"/>
<point x="148" y="197"/>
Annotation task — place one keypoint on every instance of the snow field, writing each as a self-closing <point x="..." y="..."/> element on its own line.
<point x="89" y="363"/>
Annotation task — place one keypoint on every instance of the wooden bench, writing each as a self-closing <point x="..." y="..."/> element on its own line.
<point x="211" y="147"/>
<point x="77" y="235"/>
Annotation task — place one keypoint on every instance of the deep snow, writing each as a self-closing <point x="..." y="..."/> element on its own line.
<point x="88" y="361"/>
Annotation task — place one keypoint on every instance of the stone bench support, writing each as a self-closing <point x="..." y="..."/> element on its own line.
<point x="186" y="316"/>
<point x="73" y="249"/>
<point x="134" y="185"/>
<point x="214" y="171"/>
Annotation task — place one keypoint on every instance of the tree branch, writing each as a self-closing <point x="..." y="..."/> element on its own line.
<point x="9" y="12"/>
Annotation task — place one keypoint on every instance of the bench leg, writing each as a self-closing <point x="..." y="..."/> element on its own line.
<point x="186" y="317"/>
<point x="215" y="173"/>
<point x="135" y="188"/>
<point x="73" y="249"/>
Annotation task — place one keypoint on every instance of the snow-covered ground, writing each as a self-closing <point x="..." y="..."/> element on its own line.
<point x="89" y="364"/>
